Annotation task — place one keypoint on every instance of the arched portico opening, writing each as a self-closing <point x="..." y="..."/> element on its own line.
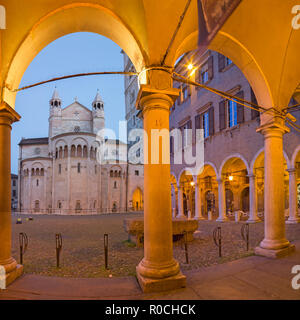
<point x="137" y="200"/>
<point x="207" y="187"/>
<point x="234" y="179"/>
<point x="186" y="195"/>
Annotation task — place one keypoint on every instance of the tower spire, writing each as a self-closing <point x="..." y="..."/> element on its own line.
<point x="55" y="100"/>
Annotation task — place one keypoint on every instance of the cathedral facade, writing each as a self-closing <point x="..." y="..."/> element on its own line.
<point x="64" y="173"/>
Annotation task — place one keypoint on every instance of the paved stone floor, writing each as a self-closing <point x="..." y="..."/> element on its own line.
<point x="248" y="278"/>
<point x="83" y="255"/>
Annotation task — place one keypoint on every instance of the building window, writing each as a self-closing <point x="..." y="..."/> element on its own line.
<point x="137" y="173"/>
<point x="59" y="205"/>
<point x="185" y="93"/>
<point x="59" y="169"/>
<point x="205" y="123"/>
<point x="115" y="185"/>
<point x="78" y="167"/>
<point x="14" y="183"/>
<point x="227" y="62"/>
<point x="232" y="113"/>
<point x="14" y="193"/>
<point x="204" y="73"/>
<point x="138" y="152"/>
<point x="111" y="173"/>
<point x="37" y="182"/>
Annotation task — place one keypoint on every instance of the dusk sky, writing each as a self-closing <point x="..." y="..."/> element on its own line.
<point x="74" y="53"/>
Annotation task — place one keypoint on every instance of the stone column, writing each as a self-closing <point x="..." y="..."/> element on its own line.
<point x="274" y="244"/>
<point x="158" y="270"/>
<point x="222" y="201"/>
<point x="180" y="204"/>
<point x="7" y="117"/>
<point x="293" y="201"/>
<point x="198" y="203"/>
<point x="253" y="217"/>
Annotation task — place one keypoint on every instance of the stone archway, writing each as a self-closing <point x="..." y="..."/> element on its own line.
<point x="137" y="199"/>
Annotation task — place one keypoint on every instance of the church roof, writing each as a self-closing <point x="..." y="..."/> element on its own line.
<point x="33" y="141"/>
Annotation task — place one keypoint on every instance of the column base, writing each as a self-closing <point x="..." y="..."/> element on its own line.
<point x="274" y="253"/>
<point x="293" y="221"/>
<point x="158" y="285"/>
<point x="199" y="218"/>
<point x="254" y="220"/>
<point x="223" y="219"/>
<point x="14" y="274"/>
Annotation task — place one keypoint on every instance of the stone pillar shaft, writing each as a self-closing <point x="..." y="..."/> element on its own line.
<point x="7" y="117"/>
<point x="222" y="200"/>
<point x="253" y="217"/>
<point x="198" y="203"/>
<point x="158" y="270"/>
<point x="293" y="201"/>
<point x="180" y="203"/>
<point x="274" y="243"/>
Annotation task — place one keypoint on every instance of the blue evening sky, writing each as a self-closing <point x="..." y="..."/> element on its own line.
<point x="74" y="53"/>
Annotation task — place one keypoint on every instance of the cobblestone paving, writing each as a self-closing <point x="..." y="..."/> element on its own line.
<point x="83" y="252"/>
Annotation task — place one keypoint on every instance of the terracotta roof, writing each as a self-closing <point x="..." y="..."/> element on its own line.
<point x="33" y="141"/>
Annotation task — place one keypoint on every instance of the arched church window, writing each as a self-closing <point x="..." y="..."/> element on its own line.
<point x="56" y="154"/>
<point x="73" y="150"/>
<point x="116" y="173"/>
<point x="55" y="103"/>
<point x="66" y="152"/>
<point x="115" y="185"/>
<point x="60" y="152"/>
<point x="32" y="172"/>
<point x="37" y="182"/>
<point x="78" y="167"/>
<point x="85" y="152"/>
<point x="59" y="205"/>
<point x="92" y="153"/>
<point x="37" y="172"/>
<point x="79" y="151"/>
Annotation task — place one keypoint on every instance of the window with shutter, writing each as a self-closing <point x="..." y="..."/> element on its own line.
<point x="205" y="121"/>
<point x="254" y="113"/>
<point x="221" y="59"/>
<point x="211" y="116"/>
<point x="240" y="108"/>
<point x="222" y="115"/>
<point x="210" y="68"/>
<point x="197" y="127"/>
<point x="232" y="113"/>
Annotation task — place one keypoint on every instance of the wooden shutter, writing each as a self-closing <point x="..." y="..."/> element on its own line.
<point x="221" y="62"/>
<point x="211" y="117"/>
<point x="198" y="122"/>
<point x="240" y="108"/>
<point x="222" y="114"/>
<point x="210" y="68"/>
<point x="254" y="113"/>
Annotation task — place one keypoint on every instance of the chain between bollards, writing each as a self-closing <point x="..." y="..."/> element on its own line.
<point x="58" y="239"/>
<point x="106" y="250"/>
<point x="245" y="234"/>
<point x="217" y="235"/>
<point x="23" y="240"/>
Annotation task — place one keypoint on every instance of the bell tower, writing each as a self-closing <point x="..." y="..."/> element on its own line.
<point x="54" y="114"/>
<point x="98" y="113"/>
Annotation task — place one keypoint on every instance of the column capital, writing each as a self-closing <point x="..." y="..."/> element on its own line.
<point x="149" y="96"/>
<point x="7" y="114"/>
<point x="220" y="180"/>
<point x="251" y="176"/>
<point x="275" y="128"/>
<point x="291" y="171"/>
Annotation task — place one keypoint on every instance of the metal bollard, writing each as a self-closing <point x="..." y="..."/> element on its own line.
<point x="58" y="239"/>
<point x="106" y="250"/>
<point x="186" y="248"/>
<point x="23" y="240"/>
<point x="245" y="234"/>
<point x="217" y="235"/>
